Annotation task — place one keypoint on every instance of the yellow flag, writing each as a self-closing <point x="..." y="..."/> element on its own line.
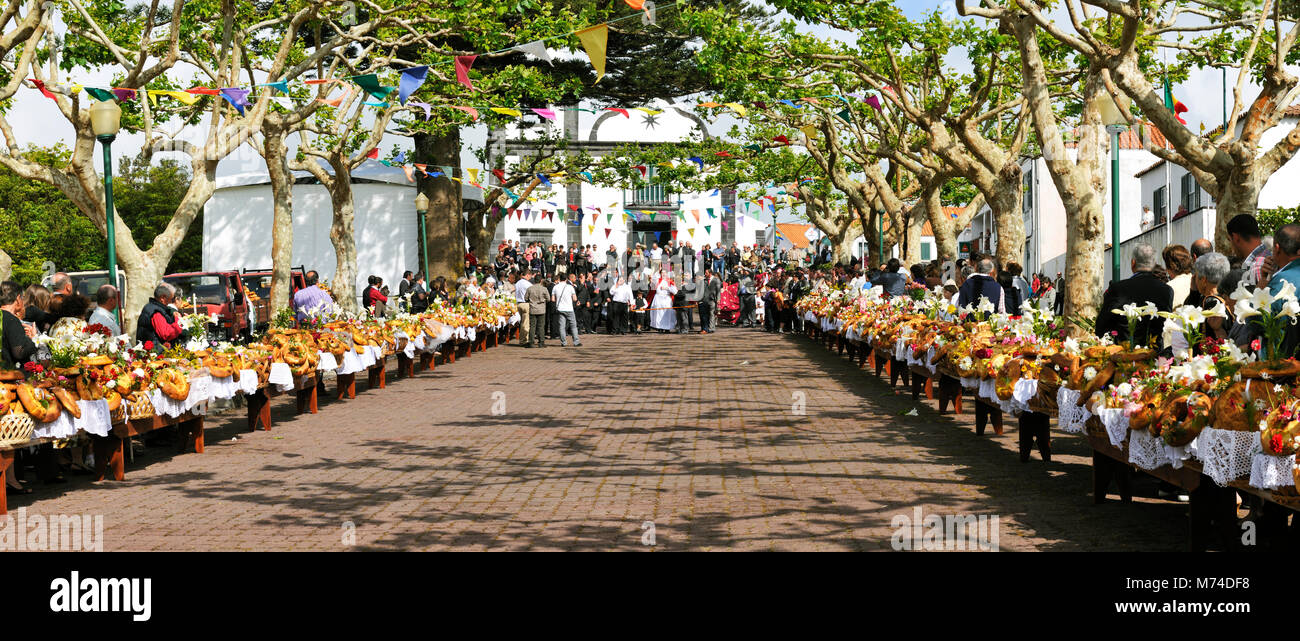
<point x="593" y="41"/>
<point x="810" y="131"/>
<point x="591" y="230"/>
<point x="473" y="175"/>
<point x="185" y="97"/>
<point x="736" y="107"/>
<point x="507" y="112"/>
<point x="648" y="111"/>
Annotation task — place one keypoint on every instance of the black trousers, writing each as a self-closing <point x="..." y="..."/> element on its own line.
<point x="747" y="309"/>
<point x="617" y="317"/>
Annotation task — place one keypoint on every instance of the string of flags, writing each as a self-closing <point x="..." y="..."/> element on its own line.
<point x="594" y="40"/>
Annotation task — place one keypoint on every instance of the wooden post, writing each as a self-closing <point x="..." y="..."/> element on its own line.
<point x="259" y="410"/>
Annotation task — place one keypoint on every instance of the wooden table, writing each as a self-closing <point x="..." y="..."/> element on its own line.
<point x="110" y="450"/>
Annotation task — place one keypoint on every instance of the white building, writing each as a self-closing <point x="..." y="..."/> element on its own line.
<point x="1044" y="212"/>
<point x="1170" y="187"/>
<point x="613" y="216"/>
<point x="237" y="223"/>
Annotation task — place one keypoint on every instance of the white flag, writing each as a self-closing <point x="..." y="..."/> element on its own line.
<point x="536" y="49"/>
<point x="648" y="18"/>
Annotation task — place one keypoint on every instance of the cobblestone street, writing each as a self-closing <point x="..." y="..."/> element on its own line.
<point x="700" y="435"/>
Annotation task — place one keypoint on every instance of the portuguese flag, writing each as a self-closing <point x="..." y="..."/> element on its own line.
<point x="1173" y="104"/>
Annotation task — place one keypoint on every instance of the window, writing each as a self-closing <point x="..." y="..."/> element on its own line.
<point x="1028" y="199"/>
<point x="1161" y="201"/>
<point x="925" y="251"/>
<point x="1191" y="193"/>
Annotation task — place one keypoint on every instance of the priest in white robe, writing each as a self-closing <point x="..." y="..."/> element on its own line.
<point x="662" y="315"/>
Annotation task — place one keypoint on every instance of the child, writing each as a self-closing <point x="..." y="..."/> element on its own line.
<point x="760" y="305"/>
<point x="640" y="312"/>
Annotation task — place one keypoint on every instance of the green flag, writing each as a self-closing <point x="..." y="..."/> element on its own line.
<point x="370" y="84"/>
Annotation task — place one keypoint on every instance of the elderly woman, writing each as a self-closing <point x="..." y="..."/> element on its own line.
<point x="1210" y="270"/>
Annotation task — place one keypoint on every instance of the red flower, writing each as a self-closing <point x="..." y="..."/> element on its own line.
<point x="1254" y="345"/>
<point x="33" y="368"/>
<point x="148" y="345"/>
<point x="1276" y="442"/>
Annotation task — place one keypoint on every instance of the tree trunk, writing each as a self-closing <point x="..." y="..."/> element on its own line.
<point x="444" y="226"/>
<point x="1238" y="194"/>
<point x="1010" y="223"/>
<point x="343" y="237"/>
<point x="142" y="275"/>
<point x="6" y="266"/>
<point x="277" y="165"/>
<point x="482" y="227"/>
<point x="915" y="226"/>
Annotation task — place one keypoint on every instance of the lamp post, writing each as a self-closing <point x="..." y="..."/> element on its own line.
<point x="421" y="209"/>
<point x="106" y="120"/>
<point x="1112" y="115"/>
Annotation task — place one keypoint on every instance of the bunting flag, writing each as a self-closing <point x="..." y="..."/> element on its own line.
<point x="735" y="106"/>
<point x="782" y="139"/>
<point x="715" y="193"/>
<point x="500" y="174"/>
<point x="369" y="83"/>
<point x="607" y="230"/>
<point x="400" y="157"/>
<point x="792" y="104"/>
<point x="536" y="49"/>
<point x="697" y="160"/>
<point x="321" y="81"/>
<point x="181" y="95"/>
<point x="412" y="78"/>
<point x="652" y="216"/>
<point x="642" y="169"/>
<point x="810" y="131"/>
<point x="463" y="63"/>
<point x="711" y="214"/>
<point x="281" y="86"/>
<point x="100" y="94"/>
<point x="473" y="113"/>
<point x="374" y="154"/>
<point x="544" y="180"/>
<point x="473" y="176"/>
<point x="591" y="230"/>
<point x="609" y="218"/>
<point x="874" y="102"/>
<point x="648" y="18"/>
<point x="710" y="105"/>
<point x="845" y="115"/>
<point x="236" y="97"/>
<point x="674" y="234"/>
<point x="593" y="42"/>
<point x="428" y="108"/>
<point x="648" y="111"/>
<point x="696" y="213"/>
<point x="338" y="101"/>
<point x="691" y="231"/>
<point x="549" y="114"/>
<point x="635" y="4"/>
<point x="507" y="112"/>
<point x="587" y="175"/>
<point x="44" y="92"/>
<point x="410" y="173"/>
<point x="724" y="225"/>
<point x="617" y="110"/>
<point x="124" y="95"/>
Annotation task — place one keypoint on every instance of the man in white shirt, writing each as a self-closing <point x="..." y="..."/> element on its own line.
<point x="620" y="300"/>
<point x="656" y="256"/>
<point x="564" y="295"/>
<point x="106" y="300"/>
<point x="521" y="290"/>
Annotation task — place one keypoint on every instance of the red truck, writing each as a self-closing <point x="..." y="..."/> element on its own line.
<point x="222" y="294"/>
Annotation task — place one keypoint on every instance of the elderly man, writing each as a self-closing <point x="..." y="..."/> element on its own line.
<point x="979" y="285"/>
<point x="106" y="300"/>
<point x="310" y="299"/>
<point x="1200" y="247"/>
<point x="61" y="283"/>
<point x="522" y="284"/>
<point x="1141" y="288"/>
<point x="159" y="323"/>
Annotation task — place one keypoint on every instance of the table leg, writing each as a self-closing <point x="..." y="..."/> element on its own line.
<point x="426" y="360"/>
<point x="259" y="410"/>
<point x="191" y="433"/>
<point x="6" y="461"/>
<point x="109" y="457"/>
<point x="347" y="386"/>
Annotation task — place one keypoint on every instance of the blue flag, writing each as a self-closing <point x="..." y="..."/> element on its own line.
<point x="411" y="80"/>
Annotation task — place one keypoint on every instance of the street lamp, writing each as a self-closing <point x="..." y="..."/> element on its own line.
<point x="421" y="209"/>
<point x="106" y="120"/>
<point x="1112" y="115"/>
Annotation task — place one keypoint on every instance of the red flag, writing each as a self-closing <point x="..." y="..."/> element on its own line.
<point x="573" y="207"/>
<point x="723" y="154"/>
<point x="44" y="92"/>
<point x="617" y="110"/>
<point x="374" y="154"/>
<point x="500" y="174"/>
<point x="203" y="91"/>
<point x="607" y="233"/>
<point x="641" y="168"/>
<point x="674" y="234"/>
<point x="463" y="63"/>
<point x="782" y="139"/>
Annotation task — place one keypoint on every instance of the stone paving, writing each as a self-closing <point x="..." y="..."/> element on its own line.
<point x="582" y="448"/>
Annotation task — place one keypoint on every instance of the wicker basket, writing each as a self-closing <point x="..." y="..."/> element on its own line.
<point x="15" y="429"/>
<point x="118" y="415"/>
<point x="142" y="408"/>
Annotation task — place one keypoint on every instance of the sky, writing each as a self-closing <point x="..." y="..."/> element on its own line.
<point x="35" y="122"/>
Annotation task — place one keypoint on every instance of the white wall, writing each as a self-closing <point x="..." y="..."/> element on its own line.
<point x="237" y="230"/>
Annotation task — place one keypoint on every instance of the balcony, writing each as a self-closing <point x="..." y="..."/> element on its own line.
<point x="1181" y="231"/>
